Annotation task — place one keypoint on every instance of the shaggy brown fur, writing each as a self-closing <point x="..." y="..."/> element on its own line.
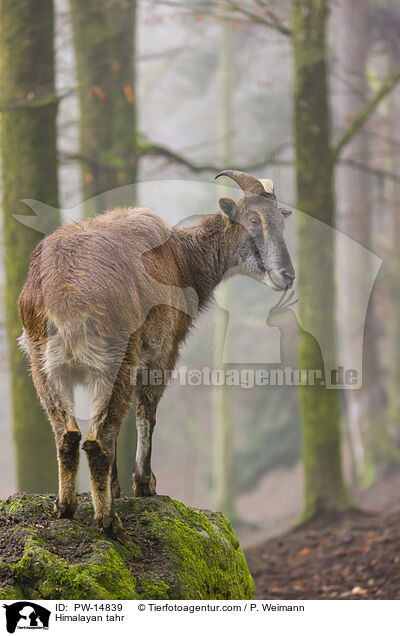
<point x="109" y="296"/>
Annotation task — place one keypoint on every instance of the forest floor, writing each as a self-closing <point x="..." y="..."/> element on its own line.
<point x="353" y="555"/>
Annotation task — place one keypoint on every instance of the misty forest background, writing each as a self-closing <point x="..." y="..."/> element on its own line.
<point x="103" y="94"/>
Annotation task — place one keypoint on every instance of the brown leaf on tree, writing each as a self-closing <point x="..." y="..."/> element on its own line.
<point x="96" y="90"/>
<point x="128" y="92"/>
<point x="100" y="93"/>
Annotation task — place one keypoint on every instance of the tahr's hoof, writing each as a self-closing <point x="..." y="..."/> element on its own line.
<point x="111" y="526"/>
<point x="65" y="509"/>
<point x="143" y="487"/>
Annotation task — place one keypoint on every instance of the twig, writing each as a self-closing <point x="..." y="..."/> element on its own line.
<point x="156" y="150"/>
<point x="384" y="174"/>
<point x="30" y="103"/>
<point x="270" y="159"/>
<point x="366" y="112"/>
<point x="272" y="22"/>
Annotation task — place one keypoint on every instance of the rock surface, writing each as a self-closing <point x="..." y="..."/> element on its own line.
<point x="167" y="551"/>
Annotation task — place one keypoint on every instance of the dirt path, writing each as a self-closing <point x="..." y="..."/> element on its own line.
<point x="354" y="555"/>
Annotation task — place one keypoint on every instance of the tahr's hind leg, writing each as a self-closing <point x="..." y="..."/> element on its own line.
<point x="148" y="396"/>
<point x="143" y="479"/>
<point x="110" y="408"/>
<point x="56" y="397"/>
<point x="68" y="464"/>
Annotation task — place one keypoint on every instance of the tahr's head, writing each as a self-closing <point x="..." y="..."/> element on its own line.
<point x="262" y="251"/>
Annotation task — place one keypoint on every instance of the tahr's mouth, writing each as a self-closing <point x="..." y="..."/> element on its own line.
<point x="272" y="284"/>
<point x="281" y="278"/>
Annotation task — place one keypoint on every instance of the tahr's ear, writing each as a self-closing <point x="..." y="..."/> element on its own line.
<point x="228" y="207"/>
<point x="285" y="212"/>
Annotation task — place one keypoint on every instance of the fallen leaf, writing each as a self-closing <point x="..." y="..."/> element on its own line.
<point x="358" y="590"/>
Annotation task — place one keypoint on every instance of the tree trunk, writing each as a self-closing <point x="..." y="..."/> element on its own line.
<point x="323" y="480"/>
<point x="352" y="200"/>
<point x="29" y="163"/>
<point x="222" y="408"/>
<point x="104" y="40"/>
<point x="392" y="192"/>
<point x="364" y="405"/>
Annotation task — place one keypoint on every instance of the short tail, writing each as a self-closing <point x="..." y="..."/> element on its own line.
<point x="74" y="336"/>
<point x="73" y="333"/>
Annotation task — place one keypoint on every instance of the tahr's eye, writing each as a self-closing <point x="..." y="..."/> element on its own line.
<point x="254" y="220"/>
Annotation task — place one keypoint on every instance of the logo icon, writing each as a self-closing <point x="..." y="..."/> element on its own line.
<point x="26" y="615"/>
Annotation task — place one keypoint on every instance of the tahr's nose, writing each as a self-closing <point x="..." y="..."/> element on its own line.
<point x="287" y="276"/>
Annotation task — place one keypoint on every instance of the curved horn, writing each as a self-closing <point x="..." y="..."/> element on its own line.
<point x="268" y="185"/>
<point x="247" y="182"/>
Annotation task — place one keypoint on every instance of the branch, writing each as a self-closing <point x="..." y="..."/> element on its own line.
<point x="271" y="159"/>
<point x="271" y="21"/>
<point x="156" y="150"/>
<point x="367" y="111"/>
<point x="384" y="174"/>
<point x="94" y="162"/>
<point x="30" y="103"/>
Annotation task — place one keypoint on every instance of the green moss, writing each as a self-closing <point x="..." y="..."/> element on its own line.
<point x="103" y="576"/>
<point x="204" y="547"/>
<point x="152" y="587"/>
<point x="10" y="593"/>
<point x="168" y="551"/>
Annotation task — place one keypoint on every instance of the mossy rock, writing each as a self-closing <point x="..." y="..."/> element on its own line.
<point x="167" y="551"/>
